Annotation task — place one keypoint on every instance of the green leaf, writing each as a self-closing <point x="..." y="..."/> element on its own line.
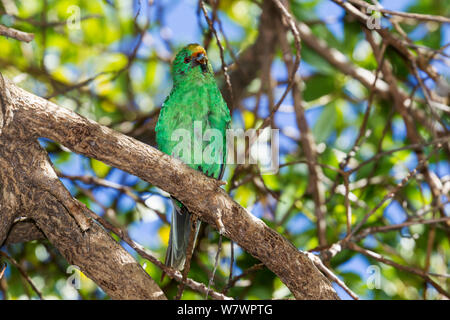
<point x="318" y="86"/>
<point x="325" y="124"/>
<point x="100" y="169"/>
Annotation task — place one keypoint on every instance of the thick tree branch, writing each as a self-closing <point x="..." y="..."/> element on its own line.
<point x="29" y="188"/>
<point x="23" y="232"/>
<point x="203" y="197"/>
<point x="97" y="254"/>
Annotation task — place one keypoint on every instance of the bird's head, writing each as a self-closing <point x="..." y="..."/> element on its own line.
<point x="190" y="60"/>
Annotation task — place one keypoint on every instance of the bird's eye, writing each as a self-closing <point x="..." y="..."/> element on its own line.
<point x="187" y="60"/>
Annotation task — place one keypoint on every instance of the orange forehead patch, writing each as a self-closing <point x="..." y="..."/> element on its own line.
<point x="196" y="49"/>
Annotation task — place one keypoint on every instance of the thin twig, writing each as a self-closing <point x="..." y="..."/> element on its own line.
<point x="16" y="34"/>
<point x="319" y="264"/>
<point x="363" y="128"/>
<point x="412" y="270"/>
<point x="211" y="279"/>
<point x="146" y="254"/>
<point x="388" y="152"/>
<point x="2" y="271"/>
<point x="50" y="24"/>
<point x="221" y="50"/>
<point x="230" y="276"/>
<point x="430" y="243"/>
<point x="371" y="230"/>
<point x="389" y="195"/>
<point x="88" y="179"/>
<point x="417" y="16"/>
<point x="189" y="252"/>
<point x="22" y="272"/>
<point x="292" y="25"/>
<point x="245" y="273"/>
<point x="348" y="208"/>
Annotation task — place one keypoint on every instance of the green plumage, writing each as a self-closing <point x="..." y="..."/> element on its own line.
<point x="194" y="99"/>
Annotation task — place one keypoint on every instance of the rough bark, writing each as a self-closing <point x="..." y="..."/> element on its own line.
<point x="23" y="232"/>
<point x="202" y="196"/>
<point x="29" y="188"/>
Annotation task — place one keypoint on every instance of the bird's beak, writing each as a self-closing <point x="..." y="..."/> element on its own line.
<point x="201" y="59"/>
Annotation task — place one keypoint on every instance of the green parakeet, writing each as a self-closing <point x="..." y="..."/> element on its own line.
<point x="192" y="127"/>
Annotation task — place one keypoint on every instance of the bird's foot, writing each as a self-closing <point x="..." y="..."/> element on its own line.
<point x="220" y="183"/>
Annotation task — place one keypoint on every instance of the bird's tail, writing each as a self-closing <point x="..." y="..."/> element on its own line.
<point x="180" y="230"/>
